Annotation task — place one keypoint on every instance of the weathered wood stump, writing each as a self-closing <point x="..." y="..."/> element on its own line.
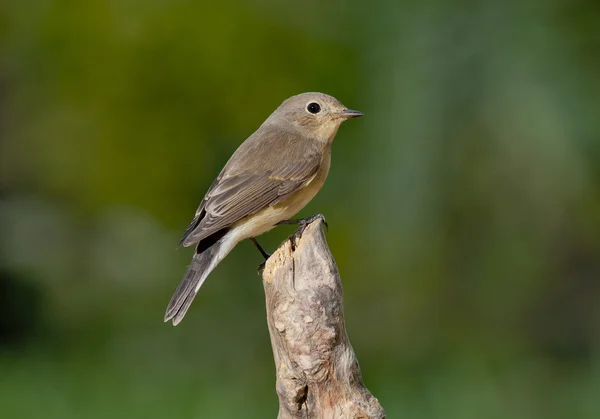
<point x="317" y="371"/>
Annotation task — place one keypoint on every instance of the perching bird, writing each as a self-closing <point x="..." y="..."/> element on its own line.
<point x="269" y="178"/>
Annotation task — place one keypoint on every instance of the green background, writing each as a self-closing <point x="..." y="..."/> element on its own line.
<point x="464" y="208"/>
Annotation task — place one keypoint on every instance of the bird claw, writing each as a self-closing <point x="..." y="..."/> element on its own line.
<point x="261" y="267"/>
<point x="303" y="223"/>
<point x="325" y="223"/>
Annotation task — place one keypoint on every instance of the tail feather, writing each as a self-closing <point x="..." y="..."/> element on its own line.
<point x="202" y="264"/>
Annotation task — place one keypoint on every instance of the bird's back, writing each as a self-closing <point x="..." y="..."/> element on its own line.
<point x="264" y="150"/>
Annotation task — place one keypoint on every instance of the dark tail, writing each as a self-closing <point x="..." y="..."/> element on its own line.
<point x="202" y="264"/>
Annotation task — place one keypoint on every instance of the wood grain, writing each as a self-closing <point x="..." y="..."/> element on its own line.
<point x="318" y="375"/>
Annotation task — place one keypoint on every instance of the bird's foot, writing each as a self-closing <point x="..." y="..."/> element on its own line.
<point x="303" y="223"/>
<point x="261" y="266"/>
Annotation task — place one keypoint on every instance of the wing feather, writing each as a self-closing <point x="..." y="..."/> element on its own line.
<point x="236" y="193"/>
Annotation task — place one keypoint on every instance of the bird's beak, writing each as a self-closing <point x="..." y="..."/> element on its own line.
<point x="349" y="113"/>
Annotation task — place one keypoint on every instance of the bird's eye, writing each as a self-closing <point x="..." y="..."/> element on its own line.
<point x="313" y="107"/>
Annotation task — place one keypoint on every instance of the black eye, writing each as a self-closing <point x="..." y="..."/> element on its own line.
<point x="313" y="107"/>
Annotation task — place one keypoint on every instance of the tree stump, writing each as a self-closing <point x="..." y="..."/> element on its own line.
<point x="317" y="371"/>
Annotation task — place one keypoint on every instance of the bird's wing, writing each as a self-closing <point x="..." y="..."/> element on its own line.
<point x="239" y="192"/>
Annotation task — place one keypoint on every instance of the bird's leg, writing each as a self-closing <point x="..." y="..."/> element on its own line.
<point x="260" y="249"/>
<point x="262" y="252"/>
<point x="303" y="222"/>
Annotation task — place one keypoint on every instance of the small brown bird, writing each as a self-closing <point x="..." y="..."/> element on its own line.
<point x="269" y="178"/>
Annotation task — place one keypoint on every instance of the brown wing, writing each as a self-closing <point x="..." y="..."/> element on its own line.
<point x="236" y="193"/>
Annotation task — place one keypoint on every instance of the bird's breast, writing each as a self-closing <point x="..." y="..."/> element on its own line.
<point x="298" y="200"/>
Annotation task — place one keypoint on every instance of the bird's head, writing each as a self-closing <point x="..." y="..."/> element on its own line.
<point x="315" y="114"/>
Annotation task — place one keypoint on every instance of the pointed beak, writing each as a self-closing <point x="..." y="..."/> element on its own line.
<point x="349" y="113"/>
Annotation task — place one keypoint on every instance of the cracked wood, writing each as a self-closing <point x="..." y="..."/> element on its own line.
<point x="317" y="371"/>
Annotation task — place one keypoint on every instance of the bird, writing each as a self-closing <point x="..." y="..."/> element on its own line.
<point x="272" y="175"/>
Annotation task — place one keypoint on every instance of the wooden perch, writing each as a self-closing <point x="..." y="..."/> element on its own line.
<point x="317" y="371"/>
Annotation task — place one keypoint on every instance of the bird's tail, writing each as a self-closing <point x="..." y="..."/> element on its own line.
<point x="202" y="264"/>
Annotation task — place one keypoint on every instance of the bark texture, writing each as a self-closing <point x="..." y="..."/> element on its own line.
<point x="317" y="371"/>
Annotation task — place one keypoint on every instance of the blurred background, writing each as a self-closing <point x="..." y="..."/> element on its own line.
<point x="464" y="208"/>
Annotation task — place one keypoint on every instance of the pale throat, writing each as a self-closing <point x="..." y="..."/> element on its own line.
<point x="326" y="132"/>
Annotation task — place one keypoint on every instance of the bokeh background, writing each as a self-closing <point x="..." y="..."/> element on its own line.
<point x="464" y="208"/>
